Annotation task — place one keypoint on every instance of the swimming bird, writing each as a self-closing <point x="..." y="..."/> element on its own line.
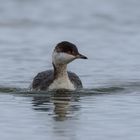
<point x="59" y="78"/>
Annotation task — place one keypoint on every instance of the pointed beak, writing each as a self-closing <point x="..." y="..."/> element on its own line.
<point x="80" y="56"/>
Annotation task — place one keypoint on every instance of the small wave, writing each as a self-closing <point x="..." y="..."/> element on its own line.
<point x="82" y="92"/>
<point x="113" y="89"/>
<point x="8" y="89"/>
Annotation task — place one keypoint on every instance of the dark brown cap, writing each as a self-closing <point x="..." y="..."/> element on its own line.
<point x="69" y="48"/>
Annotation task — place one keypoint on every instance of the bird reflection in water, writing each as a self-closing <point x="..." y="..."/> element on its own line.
<point x="61" y="104"/>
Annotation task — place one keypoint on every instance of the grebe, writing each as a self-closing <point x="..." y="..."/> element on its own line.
<point x="59" y="78"/>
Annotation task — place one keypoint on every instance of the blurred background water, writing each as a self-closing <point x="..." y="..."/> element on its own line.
<point x="108" y="32"/>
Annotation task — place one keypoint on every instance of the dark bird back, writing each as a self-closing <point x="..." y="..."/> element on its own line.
<point x="44" y="79"/>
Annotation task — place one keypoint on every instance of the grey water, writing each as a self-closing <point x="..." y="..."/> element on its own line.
<point x="107" y="32"/>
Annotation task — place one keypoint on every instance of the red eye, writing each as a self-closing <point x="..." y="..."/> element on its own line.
<point x="69" y="52"/>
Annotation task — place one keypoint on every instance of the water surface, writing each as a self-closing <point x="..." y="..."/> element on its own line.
<point x="107" y="32"/>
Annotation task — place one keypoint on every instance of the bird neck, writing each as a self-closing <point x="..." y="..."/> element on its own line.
<point x="60" y="71"/>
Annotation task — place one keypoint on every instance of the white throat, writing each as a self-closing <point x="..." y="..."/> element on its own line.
<point x="61" y="80"/>
<point x="60" y="58"/>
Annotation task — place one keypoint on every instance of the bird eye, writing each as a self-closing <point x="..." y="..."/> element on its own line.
<point x="69" y="52"/>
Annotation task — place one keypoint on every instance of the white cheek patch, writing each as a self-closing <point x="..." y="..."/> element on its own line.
<point x="62" y="58"/>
